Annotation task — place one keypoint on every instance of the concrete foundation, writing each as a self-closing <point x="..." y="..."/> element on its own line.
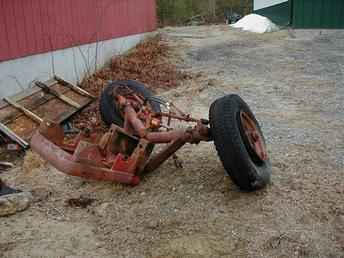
<point x="71" y="64"/>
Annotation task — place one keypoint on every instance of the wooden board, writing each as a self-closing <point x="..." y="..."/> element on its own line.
<point x="43" y="104"/>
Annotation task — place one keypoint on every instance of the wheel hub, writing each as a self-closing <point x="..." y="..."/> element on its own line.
<point x="254" y="139"/>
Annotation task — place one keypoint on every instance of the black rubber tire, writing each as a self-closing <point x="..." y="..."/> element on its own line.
<point x="108" y="109"/>
<point x="246" y="172"/>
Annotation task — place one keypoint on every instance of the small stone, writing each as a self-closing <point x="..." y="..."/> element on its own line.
<point x="40" y="194"/>
<point x="202" y="88"/>
<point x="153" y="224"/>
<point x="212" y="82"/>
<point x="303" y="238"/>
<point x="13" y="203"/>
<point x="221" y="211"/>
<point x="101" y="209"/>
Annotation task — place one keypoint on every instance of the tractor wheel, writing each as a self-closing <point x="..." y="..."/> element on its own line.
<point x="108" y="108"/>
<point x="240" y="143"/>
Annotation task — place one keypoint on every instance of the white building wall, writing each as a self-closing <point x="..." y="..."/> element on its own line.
<point x="260" y="4"/>
<point x="71" y="64"/>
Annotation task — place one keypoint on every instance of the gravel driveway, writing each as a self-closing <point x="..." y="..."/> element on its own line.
<point x="294" y="82"/>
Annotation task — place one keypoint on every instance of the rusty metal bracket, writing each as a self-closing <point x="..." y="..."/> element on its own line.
<point x="27" y="112"/>
<point x="66" y="163"/>
<point x="22" y="113"/>
<point x="58" y="95"/>
<point x="13" y="136"/>
<point x="73" y="87"/>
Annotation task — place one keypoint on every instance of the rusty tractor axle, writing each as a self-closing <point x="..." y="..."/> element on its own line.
<point x="137" y="123"/>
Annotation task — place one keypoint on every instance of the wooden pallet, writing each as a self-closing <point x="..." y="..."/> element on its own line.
<point x="55" y="99"/>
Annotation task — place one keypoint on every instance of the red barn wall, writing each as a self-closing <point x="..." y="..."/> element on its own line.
<point x="30" y="27"/>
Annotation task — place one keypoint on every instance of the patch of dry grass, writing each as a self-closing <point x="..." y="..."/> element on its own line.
<point x="32" y="161"/>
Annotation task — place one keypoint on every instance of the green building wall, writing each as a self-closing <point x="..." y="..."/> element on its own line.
<point x="308" y="14"/>
<point x="279" y="14"/>
<point x="318" y="14"/>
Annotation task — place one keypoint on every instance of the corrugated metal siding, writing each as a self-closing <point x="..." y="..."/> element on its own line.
<point x="30" y="27"/>
<point x="318" y="13"/>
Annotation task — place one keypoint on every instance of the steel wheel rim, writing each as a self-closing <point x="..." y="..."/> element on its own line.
<point x="254" y="141"/>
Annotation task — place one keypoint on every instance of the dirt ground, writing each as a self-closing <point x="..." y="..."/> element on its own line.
<point x="294" y="82"/>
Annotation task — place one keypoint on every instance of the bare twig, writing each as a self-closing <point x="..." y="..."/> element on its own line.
<point x="52" y="55"/>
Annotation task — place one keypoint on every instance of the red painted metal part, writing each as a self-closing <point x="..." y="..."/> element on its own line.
<point x="121" y="154"/>
<point x="66" y="163"/>
<point x="158" y="159"/>
<point x="30" y="27"/>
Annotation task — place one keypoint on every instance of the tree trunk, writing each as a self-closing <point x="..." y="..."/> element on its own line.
<point x="212" y="8"/>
